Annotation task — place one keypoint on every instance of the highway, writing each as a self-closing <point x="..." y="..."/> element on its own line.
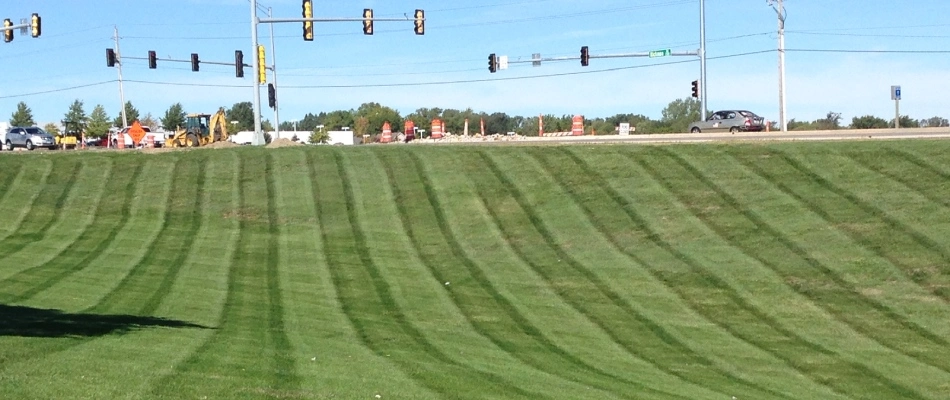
<point x="842" y="134"/>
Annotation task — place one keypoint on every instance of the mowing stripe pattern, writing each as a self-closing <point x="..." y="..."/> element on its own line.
<point x="711" y="271"/>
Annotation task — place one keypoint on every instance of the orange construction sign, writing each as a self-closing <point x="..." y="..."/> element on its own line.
<point x="136" y="133"/>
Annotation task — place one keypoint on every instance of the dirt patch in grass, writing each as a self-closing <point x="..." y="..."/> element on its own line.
<point x="221" y="145"/>
<point x="283" y="142"/>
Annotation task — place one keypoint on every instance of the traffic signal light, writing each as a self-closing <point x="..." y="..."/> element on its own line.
<point x="271" y="95"/>
<point x="110" y="58"/>
<point x="8" y="33"/>
<point x="585" y="56"/>
<point x="239" y="63"/>
<point x="152" y="59"/>
<point x="420" y="22"/>
<point x="194" y="62"/>
<point x="261" y="65"/>
<point x="35" y="25"/>
<point x="492" y="63"/>
<point x="367" y="21"/>
<point x="695" y="88"/>
<point x="307" y="25"/>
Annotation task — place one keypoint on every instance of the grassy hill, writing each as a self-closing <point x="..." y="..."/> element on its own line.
<point x="760" y="271"/>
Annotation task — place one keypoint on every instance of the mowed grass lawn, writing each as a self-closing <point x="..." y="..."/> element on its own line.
<point x="759" y="271"/>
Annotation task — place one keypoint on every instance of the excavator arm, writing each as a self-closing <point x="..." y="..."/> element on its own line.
<point x="218" y="126"/>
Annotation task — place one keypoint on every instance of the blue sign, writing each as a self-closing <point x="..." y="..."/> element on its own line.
<point x="895" y="92"/>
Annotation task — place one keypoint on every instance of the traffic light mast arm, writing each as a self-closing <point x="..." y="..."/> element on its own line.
<point x="203" y="62"/>
<point x="528" y="60"/>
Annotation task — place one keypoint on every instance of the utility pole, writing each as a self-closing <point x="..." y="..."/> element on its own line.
<point x="258" y="136"/>
<point x="118" y="55"/>
<point x="779" y="8"/>
<point x="703" y="84"/>
<point x="273" y="56"/>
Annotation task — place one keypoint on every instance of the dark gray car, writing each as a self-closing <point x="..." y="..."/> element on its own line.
<point x="29" y="138"/>
<point x="731" y="121"/>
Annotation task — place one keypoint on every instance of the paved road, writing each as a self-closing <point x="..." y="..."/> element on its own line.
<point x="849" y="134"/>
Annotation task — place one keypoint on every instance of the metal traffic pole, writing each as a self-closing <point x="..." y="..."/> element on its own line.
<point x="258" y="136"/>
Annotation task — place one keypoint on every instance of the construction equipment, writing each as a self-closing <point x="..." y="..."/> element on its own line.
<point x="200" y="130"/>
<point x="71" y="135"/>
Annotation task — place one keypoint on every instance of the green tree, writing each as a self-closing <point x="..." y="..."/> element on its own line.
<point x="376" y="115"/>
<point x="336" y="120"/>
<point x="76" y="113"/>
<point x="934" y="122"/>
<point x="319" y="136"/>
<point x="23" y="116"/>
<point x="868" y="122"/>
<point x="175" y="118"/>
<point x="907" y="122"/>
<point x="131" y="115"/>
<point x="99" y="123"/>
<point x="680" y="113"/>
<point x="243" y="113"/>
<point x="831" y="121"/>
<point x="52" y="129"/>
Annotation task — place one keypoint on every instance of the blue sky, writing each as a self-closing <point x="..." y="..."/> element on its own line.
<point x="447" y="67"/>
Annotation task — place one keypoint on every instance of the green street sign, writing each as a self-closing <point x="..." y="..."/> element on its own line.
<point x="660" y="53"/>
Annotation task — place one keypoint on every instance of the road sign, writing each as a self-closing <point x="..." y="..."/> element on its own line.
<point x="536" y="60"/>
<point x="895" y="92"/>
<point x="503" y="62"/>
<point x="624" y="128"/>
<point x="660" y="53"/>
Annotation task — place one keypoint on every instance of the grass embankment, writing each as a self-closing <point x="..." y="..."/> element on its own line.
<point x="782" y="271"/>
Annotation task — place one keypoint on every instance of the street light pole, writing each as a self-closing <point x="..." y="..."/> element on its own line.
<point x="780" y="11"/>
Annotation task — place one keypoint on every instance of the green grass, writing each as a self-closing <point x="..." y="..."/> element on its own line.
<point x="760" y="271"/>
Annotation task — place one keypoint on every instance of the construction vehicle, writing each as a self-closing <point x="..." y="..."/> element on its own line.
<point x="71" y="135"/>
<point x="200" y="130"/>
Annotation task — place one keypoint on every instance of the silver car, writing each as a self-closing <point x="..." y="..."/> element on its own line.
<point x="29" y="138"/>
<point x="729" y="120"/>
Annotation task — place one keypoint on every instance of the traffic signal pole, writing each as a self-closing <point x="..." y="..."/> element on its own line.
<point x="118" y="56"/>
<point x="273" y="57"/>
<point x="703" y="83"/>
<point x="258" y="135"/>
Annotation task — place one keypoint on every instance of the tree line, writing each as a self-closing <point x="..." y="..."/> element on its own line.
<point x="368" y="119"/>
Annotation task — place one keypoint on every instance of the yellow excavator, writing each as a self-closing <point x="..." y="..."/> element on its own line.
<point x="200" y="130"/>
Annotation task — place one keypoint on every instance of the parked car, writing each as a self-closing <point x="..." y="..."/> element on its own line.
<point x="29" y="138"/>
<point x="729" y="120"/>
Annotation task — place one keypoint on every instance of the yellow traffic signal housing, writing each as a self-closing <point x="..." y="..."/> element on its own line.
<point x="261" y="65"/>
<point x="307" y="25"/>
<point x="367" y="21"/>
<point x="420" y="23"/>
<point x="36" y="29"/>
<point x="8" y="33"/>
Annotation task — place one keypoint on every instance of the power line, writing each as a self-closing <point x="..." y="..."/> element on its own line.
<point x="869" y="35"/>
<point x="871" y="51"/>
<point x="59" y="90"/>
